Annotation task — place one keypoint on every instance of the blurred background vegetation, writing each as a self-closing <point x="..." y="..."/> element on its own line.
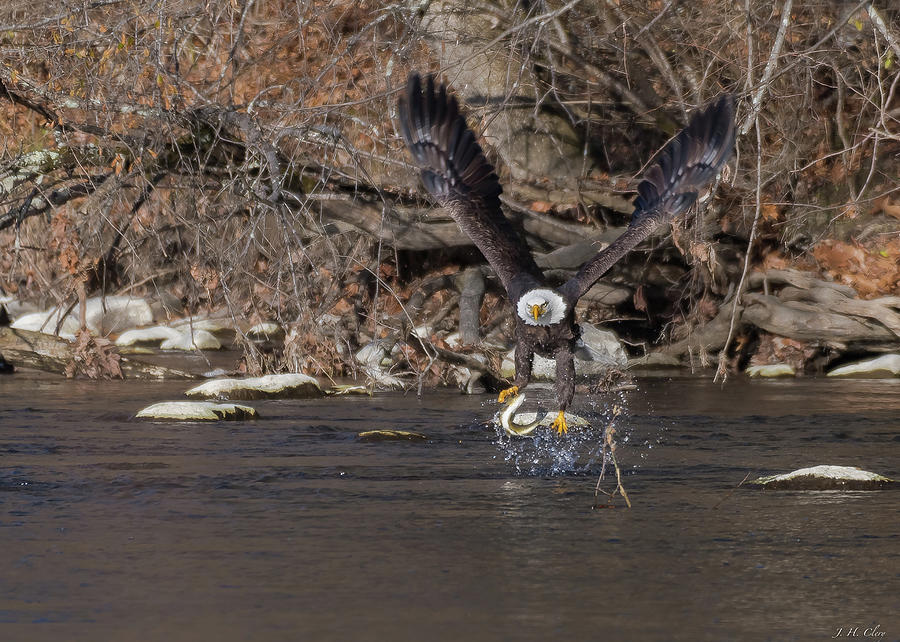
<point x="242" y="156"/>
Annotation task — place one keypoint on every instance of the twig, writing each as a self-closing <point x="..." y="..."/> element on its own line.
<point x="608" y="442"/>
<point x="721" y="372"/>
<point x="731" y="492"/>
<point x="770" y="67"/>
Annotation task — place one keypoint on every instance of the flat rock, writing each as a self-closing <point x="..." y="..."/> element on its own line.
<point x="391" y="435"/>
<point x="223" y="328"/>
<point x="824" y="478"/>
<point x="197" y="411"/>
<point x="349" y="389"/>
<point x="275" y="386"/>
<point x="151" y="336"/>
<point x="200" y="340"/>
<point x="772" y="370"/>
<point x="887" y="365"/>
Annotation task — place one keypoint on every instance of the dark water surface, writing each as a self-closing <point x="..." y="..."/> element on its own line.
<point x="288" y="528"/>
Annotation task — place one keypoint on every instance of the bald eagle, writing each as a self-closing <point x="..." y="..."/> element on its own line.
<point x="456" y="172"/>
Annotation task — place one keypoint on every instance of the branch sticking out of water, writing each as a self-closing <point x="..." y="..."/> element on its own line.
<point x="609" y="443"/>
<point x="731" y="492"/>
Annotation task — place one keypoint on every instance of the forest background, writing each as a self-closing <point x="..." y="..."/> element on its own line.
<point x="242" y="157"/>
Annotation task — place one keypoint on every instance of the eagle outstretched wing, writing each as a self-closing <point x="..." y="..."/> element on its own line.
<point x="456" y="172"/>
<point x="684" y="167"/>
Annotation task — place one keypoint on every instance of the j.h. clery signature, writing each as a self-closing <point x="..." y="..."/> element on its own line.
<point x="859" y="632"/>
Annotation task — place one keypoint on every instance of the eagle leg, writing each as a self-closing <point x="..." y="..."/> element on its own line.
<point x="559" y="424"/>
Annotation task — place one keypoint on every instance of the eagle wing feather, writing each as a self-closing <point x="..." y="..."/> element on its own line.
<point x="456" y="172"/>
<point x="684" y="167"/>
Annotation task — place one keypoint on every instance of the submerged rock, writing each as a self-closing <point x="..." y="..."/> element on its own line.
<point x="391" y="435"/>
<point x="772" y="370"/>
<point x="824" y="478"/>
<point x="349" y="389"/>
<point x="197" y="411"/>
<point x="275" y="386"/>
<point x="199" y="340"/>
<point x="887" y="365"/>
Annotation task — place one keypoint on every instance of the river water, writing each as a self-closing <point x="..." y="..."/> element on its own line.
<point x="290" y="528"/>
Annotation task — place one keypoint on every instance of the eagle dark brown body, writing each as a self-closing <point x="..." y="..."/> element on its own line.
<point x="456" y="172"/>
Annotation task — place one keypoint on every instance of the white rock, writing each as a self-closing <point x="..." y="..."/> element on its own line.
<point x="156" y="335"/>
<point x="201" y="340"/>
<point x="197" y="411"/>
<point x="423" y="331"/>
<point x="772" y="370"/>
<point x="275" y="386"/>
<point x="384" y="380"/>
<point x="266" y="330"/>
<point x="46" y="322"/>
<point x="372" y="354"/>
<point x="825" y="477"/>
<point x="214" y="326"/>
<point x="886" y="365"/>
<point x="16" y="308"/>
<point x="598" y="351"/>
<point x="600" y="345"/>
<point x="104" y="315"/>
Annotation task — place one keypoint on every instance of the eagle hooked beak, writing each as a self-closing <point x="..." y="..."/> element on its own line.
<point x="538" y="309"/>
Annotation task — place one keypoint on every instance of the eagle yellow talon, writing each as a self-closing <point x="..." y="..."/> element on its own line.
<point x="509" y="392"/>
<point x="559" y="424"/>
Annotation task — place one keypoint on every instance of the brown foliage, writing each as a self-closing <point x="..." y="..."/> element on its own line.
<point x="94" y="357"/>
<point x="231" y="125"/>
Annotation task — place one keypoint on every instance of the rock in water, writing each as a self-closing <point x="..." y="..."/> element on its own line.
<point x="155" y="335"/>
<point x="887" y="365"/>
<point x="772" y="370"/>
<point x="391" y="435"/>
<point x="275" y="386"/>
<point x="197" y="411"/>
<point x="824" y="478"/>
<point x="200" y="340"/>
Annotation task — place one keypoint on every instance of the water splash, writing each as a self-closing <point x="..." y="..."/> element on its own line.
<point x="580" y="451"/>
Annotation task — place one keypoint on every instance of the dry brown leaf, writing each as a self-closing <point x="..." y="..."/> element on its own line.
<point x="769" y="212"/>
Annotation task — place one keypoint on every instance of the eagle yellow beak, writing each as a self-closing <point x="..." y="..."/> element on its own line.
<point x="536" y="311"/>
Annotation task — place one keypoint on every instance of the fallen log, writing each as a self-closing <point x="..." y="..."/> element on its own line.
<point x="797" y="278"/>
<point x="809" y="322"/>
<point x="47" y="352"/>
<point x="830" y="299"/>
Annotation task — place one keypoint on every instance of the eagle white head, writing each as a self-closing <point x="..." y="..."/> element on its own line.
<point x="541" y="306"/>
